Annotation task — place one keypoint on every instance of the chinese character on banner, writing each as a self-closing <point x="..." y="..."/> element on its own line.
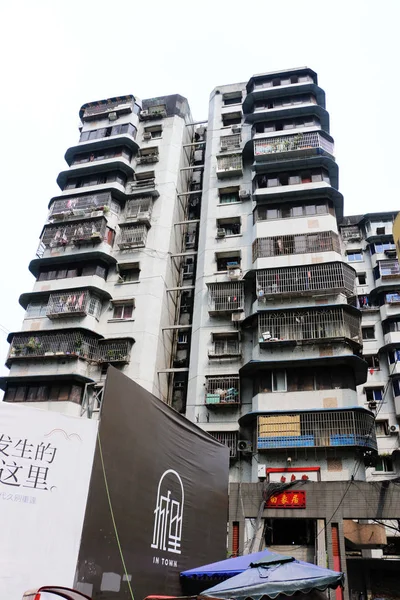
<point x="9" y="472"/>
<point x="45" y="453"/>
<point x="37" y="478"/>
<point x="23" y="449"/>
<point x="287" y="500"/>
<point x="5" y="443"/>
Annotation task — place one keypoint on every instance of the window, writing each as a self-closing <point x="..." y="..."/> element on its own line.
<point x="279" y="381"/>
<point x="384" y="464"/>
<point x="229" y="195"/>
<point x="368" y="333"/>
<point x="224" y="261"/>
<point x="355" y="256"/>
<point x="372" y="361"/>
<point x="43" y="393"/>
<point x="155" y="131"/>
<point x="393" y="298"/>
<point x="129" y="273"/>
<point x="287" y="211"/>
<point x="36" y="309"/>
<point x="374" y="394"/>
<point x="230" y="119"/>
<point x="229" y="226"/>
<point x="362" y="278"/>
<point x="95" y="134"/>
<point x="396" y="387"/>
<point x="394" y="356"/>
<point x="232" y="98"/>
<point x="123" y="310"/>
<point x="73" y="271"/>
<point x="382" y="427"/>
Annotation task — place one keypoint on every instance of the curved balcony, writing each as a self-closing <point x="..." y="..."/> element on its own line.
<point x="103" y="142"/>
<point x="309" y="326"/>
<point x="100" y="255"/>
<point x="391" y="308"/>
<point x="307" y="280"/>
<point x="286" y="147"/>
<point x="118" y="164"/>
<point x="104" y="108"/>
<point x="267" y="89"/>
<point x="316" y="429"/>
<point x="81" y="207"/>
<point x="72" y="344"/>
<point x="286" y="245"/>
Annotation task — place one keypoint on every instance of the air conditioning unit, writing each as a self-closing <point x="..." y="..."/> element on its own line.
<point x="236" y="128"/>
<point x="144" y="113"/>
<point x="372" y="405"/>
<point x="147" y="135"/>
<point x="224" y="147"/>
<point x="244" y="194"/>
<point x="237" y="317"/>
<point x="221" y="232"/>
<point x="261" y="471"/>
<point x="234" y="272"/>
<point x="394" y="429"/>
<point x="112" y="116"/>
<point x="244" y="446"/>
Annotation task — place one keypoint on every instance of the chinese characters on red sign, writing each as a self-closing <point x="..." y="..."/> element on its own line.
<point x="287" y="500"/>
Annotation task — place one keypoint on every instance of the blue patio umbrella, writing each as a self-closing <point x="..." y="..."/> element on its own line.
<point x="273" y="575"/>
<point x="225" y="568"/>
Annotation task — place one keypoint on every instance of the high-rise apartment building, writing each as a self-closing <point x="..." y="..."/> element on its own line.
<point x="212" y="264"/>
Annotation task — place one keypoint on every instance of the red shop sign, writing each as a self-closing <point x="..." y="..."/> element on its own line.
<point x="287" y="500"/>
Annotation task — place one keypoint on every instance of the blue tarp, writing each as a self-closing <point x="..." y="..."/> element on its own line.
<point x="276" y="574"/>
<point x="226" y="568"/>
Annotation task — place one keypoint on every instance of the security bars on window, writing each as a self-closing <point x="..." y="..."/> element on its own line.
<point x="316" y="430"/>
<point x="91" y="231"/>
<point x="291" y="143"/>
<point x="76" y="303"/>
<point x="132" y="237"/>
<point x="138" y="208"/>
<point x="228" y="438"/>
<point x="232" y="162"/>
<point x="81" y="206"/>
<point x="223" y="390"/>
<point x="309" y="325"/>
<point x="225" y="297"/>
<point x="326" y="277"/>
<point x="281" y="245"/>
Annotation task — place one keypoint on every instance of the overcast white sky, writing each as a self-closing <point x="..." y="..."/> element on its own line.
<point x="59" y="54"/>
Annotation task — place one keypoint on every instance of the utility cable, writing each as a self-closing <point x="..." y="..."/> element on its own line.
<point x="113" y="518"/>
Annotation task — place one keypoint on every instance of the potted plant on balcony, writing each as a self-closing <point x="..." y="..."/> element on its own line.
<point x="33" y="344"/>
<point x="78" y="345"/>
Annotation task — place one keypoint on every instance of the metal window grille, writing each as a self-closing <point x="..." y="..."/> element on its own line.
<point x="332" y="277"/>
<point x="225" y="297"/>
<point x="91" y="231"/>
<point x="49" y="344"/>
<point x="75" y="303"/>
<point x="228" y="438"/>
<point x="231" y="142"/>
<point x="323" y="241"/>
<point x="316" y="429"/>
<point x="113" y="351"/>
<point x="290" y="143"/>
<point x="223" y="390"/>
<point x="225" y="346"/>
<point x="140" y="207"/>
<point x="79" y="206"/>
<point x="350" y="233"/>
<point x="265" y="212"/>
<point x="309" y="325"/>
<point x="132" y="237"/>
<point x="107" y="107"/>
<point x="139" y="184"/>
<point x="232" y="162"/>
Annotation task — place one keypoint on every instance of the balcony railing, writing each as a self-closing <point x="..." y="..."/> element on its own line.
<point x="139" y="209"/>
<point x="326" y="277"/>
<point x="350" y="234"/>
<point x="316" y="430"/>
<point x="283" y="245"/>
<point x="311" y="325"/>
<point x="229" y="165"/>
<point x="230" y="142"/>
<point x="223" y="390"/>
<point x="225" y="298"/>
<point x="225" y="348"/>
<point x="132" y="237"/>
<point x="300" y="142"/>
<point x="69" y="344"/>
<point x="82" y="206"/>
<point x="75" y="303"/>
<point x="92" y="231"/>
<point x="389" y="269"/>
<point x="109" y="106"/>
<point x="228" y="438"/>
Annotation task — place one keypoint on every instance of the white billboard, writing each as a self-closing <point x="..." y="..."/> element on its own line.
<point x="45" y="467"/>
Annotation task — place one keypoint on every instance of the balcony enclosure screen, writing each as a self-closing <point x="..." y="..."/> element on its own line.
<point x="389" y="268"/>
<point x="309" y="325"/>
<point x="132" y="237"/>
<point x="334" y="277"/>
<point x="282" y="245"/>
<point x="73" y="304"/>
<point x="80" y="205"/>
<point x="223" y="390"/>
<point x="225" y="297"/>
<point x="141" y="206"/>
<point x="228" y="438"/>
<point x="93" y="230"/>
<point x="290" y="143"/>
<point x="231" y="162"/>
<point x="230" y="142"/>
<point x="316" y="430"/>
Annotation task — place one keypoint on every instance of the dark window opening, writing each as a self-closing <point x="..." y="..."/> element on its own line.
<point x="285" y="532"/>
